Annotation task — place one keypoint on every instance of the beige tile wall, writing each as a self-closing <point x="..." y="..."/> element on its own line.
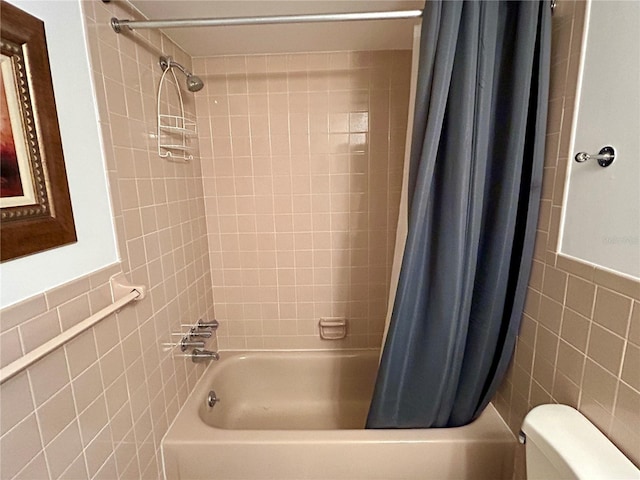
<point x="99" y="406"/>
<point x="301" y="160"/>
<point x="302" y="163"/>
<point x="579" y="342"/>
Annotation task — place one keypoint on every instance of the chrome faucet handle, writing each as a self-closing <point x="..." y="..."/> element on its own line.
<point x="197" y="333"/>
<point x="196" y="344"/>
<point x="212" y="324"/>
<point x="183" y="344"/>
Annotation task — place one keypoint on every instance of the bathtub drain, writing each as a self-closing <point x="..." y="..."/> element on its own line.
<point x="212" y="399"/>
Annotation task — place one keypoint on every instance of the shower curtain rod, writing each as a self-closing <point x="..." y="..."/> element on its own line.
<point x="118" y="24"/>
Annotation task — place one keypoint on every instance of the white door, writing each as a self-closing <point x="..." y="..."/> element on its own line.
<point x="602" y="209"/>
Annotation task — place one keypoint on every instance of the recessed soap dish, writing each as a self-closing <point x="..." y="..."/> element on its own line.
<point x="333" y="328"/>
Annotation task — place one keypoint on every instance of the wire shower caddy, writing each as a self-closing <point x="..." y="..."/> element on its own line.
<point x="175" y="132"/>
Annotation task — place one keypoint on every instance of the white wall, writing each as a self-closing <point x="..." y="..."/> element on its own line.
<point x="602" y="214"/>
<point x="77" y="115"/>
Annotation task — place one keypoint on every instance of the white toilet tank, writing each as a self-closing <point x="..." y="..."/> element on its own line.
<point x="561" y="443"/>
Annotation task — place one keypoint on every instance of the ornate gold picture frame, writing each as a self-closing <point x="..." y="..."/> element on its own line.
<point x="35" y="207"/>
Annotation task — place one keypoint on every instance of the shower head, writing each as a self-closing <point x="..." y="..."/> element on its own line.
<point x="194" y="83"/>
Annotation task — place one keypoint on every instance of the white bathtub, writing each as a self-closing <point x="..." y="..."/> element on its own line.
<point x="300" y="415"/>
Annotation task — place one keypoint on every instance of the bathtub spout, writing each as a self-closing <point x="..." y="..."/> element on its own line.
<point x="200" y="356"/>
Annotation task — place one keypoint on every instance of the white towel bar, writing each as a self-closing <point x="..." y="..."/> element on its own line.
<point x="17" y="366"/>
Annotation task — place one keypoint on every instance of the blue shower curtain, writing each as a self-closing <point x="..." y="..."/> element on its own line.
<point x="475" y="176"/>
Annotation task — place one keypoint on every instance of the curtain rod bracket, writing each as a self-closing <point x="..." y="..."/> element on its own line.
<point x="115" y="24"/>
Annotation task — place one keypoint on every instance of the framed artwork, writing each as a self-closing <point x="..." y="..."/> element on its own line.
<point x="35" y="207"/>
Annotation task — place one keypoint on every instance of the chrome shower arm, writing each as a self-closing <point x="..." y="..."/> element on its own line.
<point x="167" y="62"/>
<point x="194" y="83"/>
